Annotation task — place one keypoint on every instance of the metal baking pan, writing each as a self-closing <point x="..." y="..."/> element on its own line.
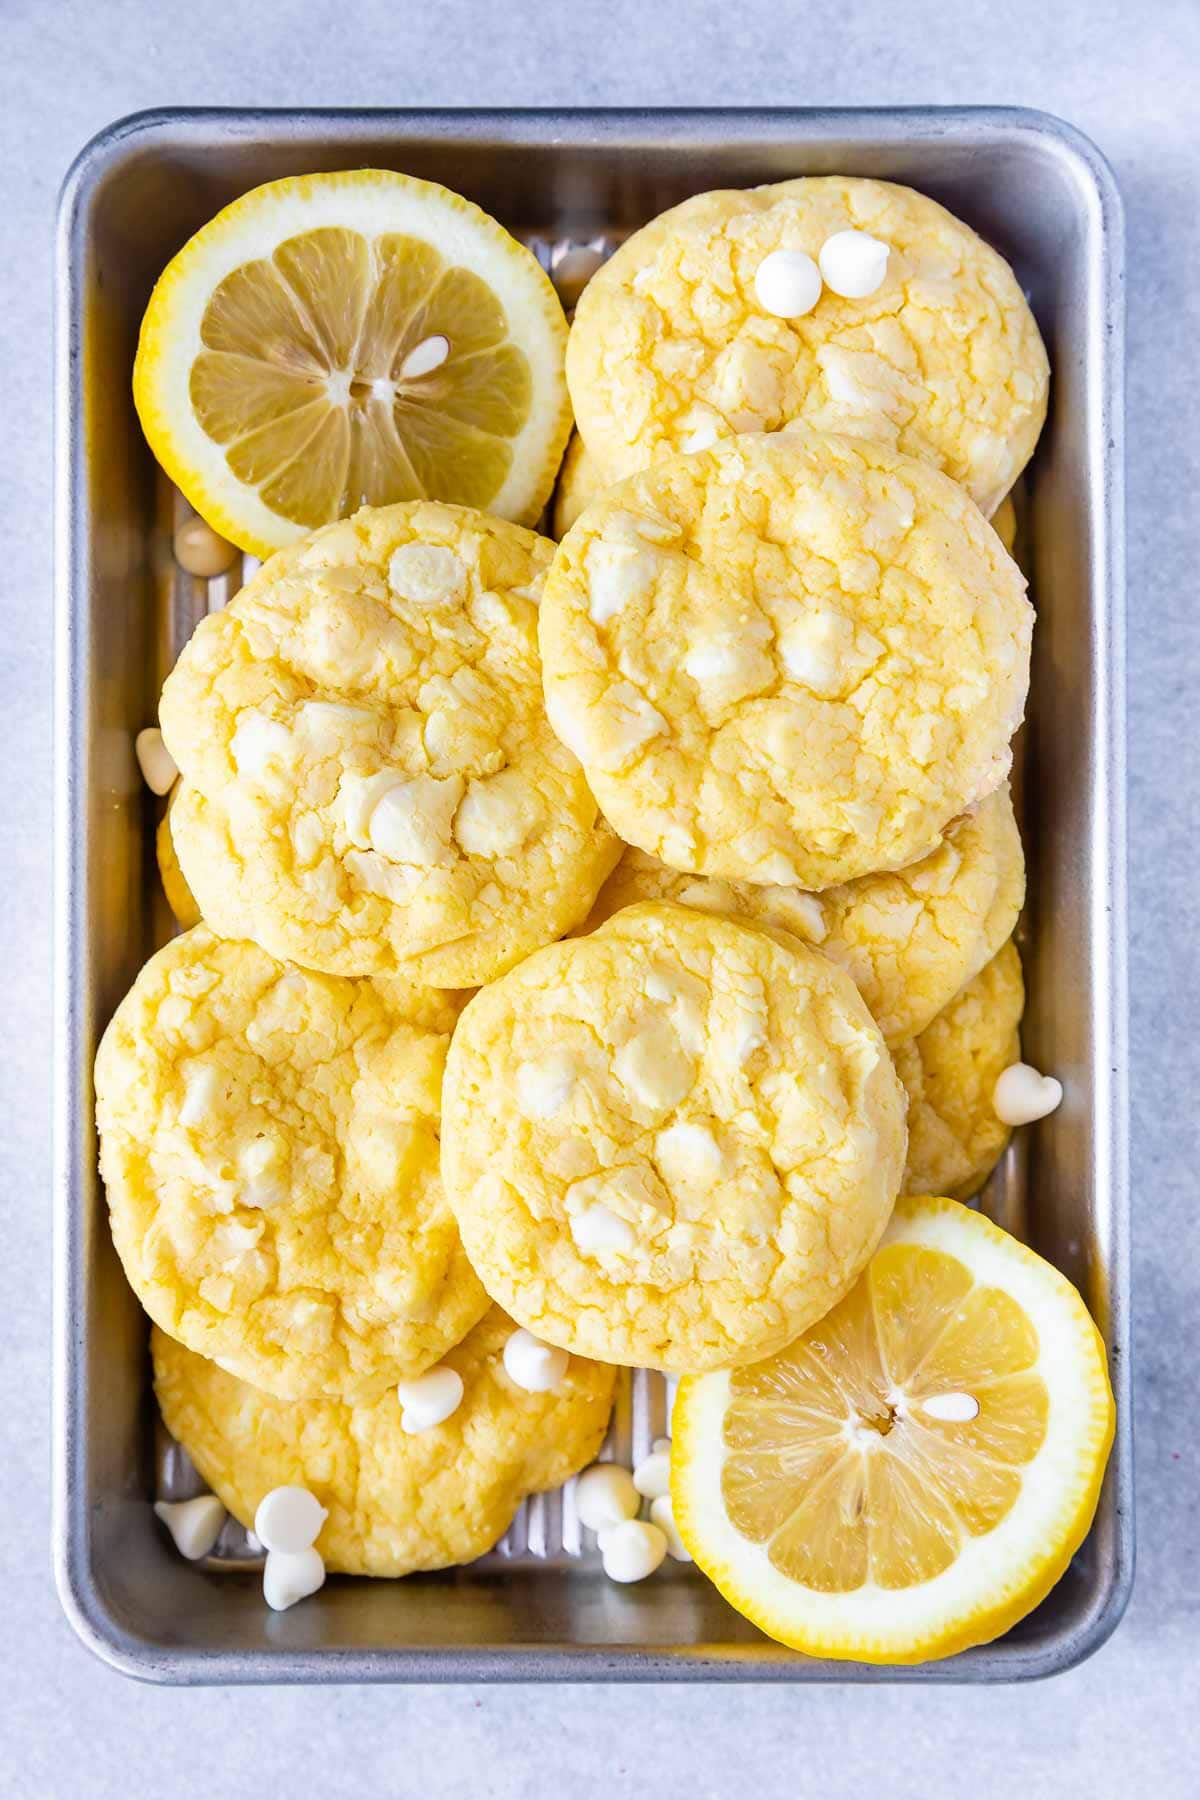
<point x="541" y="1610"/>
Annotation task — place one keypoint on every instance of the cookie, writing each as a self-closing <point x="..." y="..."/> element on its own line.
<point x="955" y="1139"/>
<point x="180" y="898"/>
<point x="269" y="1142"/>
<point x="1004" y="523"/>
<point x="673" y="1143"/>
<point x="396" y="1501"/>
<point x="792" y="659"/>
<point x="370" y="784"/>
<point x="579" y="481"/>
<point x="910" y="940"/>
<point x="672" y="347"/>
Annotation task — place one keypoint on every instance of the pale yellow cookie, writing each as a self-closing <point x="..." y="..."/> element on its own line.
<point x="909" y="939"/>
<point x="579" y="482"/>
<point x="269" y="1141"/>
<point x="1004" y="523"/>
<point x="673" y="1143"/>
<point x="792" y="659"/>
<point x="371" y="786"/>
<point x="397" y="1501"/>
<point x="955" y="1139"/>
<point x="672" y="346"/>
<point x="180" y="898"/>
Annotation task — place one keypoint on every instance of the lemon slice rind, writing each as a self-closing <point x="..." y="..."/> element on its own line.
<point x="997" y="1578"/>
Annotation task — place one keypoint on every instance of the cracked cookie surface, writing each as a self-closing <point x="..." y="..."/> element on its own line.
<point x="793" y="659"/>
<point x="910" y="939"/>
<point x="370" y="785"/>
<point x="671" y="349"/>
<point x="673" y="1143"/>
<point x="949" y="1072"/>
<point x="269" y="1143"/>
<point x="396" y="1501"/>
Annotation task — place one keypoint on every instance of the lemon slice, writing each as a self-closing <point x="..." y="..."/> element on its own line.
<point x="335" y="341"/>
<point x="914" y="1474"/>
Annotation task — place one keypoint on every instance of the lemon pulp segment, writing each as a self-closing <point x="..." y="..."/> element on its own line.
<point x="832" y="1461"/>
<point x="302" y="379"/>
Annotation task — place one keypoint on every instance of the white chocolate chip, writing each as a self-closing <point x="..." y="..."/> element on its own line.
<point x="662" y="1512"/>
<point x="1022" y="1094"/>
<point x="258" y="1164"/>
<point x="201" y="551"/>
<point x="327" y="724"/>
<point x="632" y="1550"/>
<point x="411" y="821"/>
<point x="289" y="1518"/>
<point x="596" y="1227"/>
<point x="195" y="1525"/>
<point x="616" y="574"/>
<point x="497" y="815"/>
<point x="427" y="575"/>
<point x="429" y="1399"/>
<point x="291" y="1576"/>
<point x="537" y="1367"/>
<point x="955" y="1408"/>
<point x="701" y="431"/>
<point x="653" y="1067"/>
<point x="544" y="1088"/>
<point x="729" y="666"/>
<point x="158" y="766"/>
<point x="257" y="744"/>
<point x="200" y="1085"/>
<point x="429" y="354"/>
<point x="787" y="283"/>
<point x="746" y="387"/>
<point x="812" y="650"/>
<point x="605" y="1496"/>
<point x="853" y="263"/>
<point x="688" y="1155"/>
<point x="652" y="1476"/>
<point x="663" y="1444"/>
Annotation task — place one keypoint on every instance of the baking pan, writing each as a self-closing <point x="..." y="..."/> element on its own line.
<point x="539" y="1608"/>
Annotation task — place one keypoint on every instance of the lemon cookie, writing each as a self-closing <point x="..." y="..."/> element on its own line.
<point x="678" y="339"/>
<point x="792" y="659"/>
<point x="579" y="482"/>
<point x="955" y="1139"/>
<point x="910" y="939"/>
<point x="370" y="782"/>
<point x="180" y="898"/>
<point x="269" y="1141"/>
<point x="673" y="1143"/>
<point x="396" y="1501"/>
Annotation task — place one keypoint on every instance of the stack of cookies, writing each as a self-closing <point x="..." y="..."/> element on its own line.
<point x="596" y="938"/>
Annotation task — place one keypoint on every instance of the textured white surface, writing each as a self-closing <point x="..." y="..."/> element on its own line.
<point x="1125" y="1722"/>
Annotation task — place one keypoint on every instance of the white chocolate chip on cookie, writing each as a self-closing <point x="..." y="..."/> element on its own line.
<point x="853" y="263"/>
<point x="787" y="283"/>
